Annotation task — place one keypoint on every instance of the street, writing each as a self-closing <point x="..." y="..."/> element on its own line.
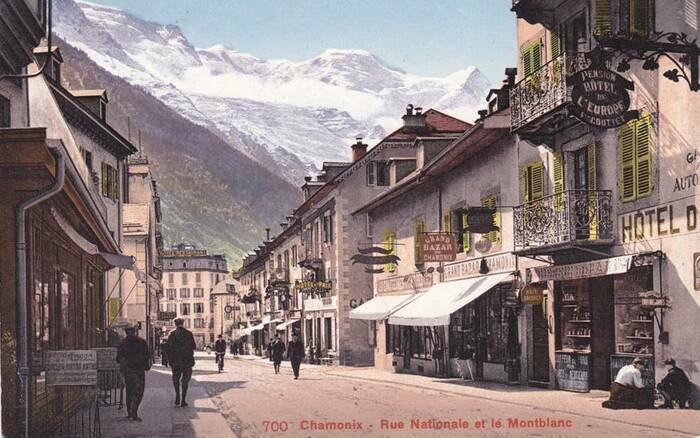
<point x="257" y="403"/>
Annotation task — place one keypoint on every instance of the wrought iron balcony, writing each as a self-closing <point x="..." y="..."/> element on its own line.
<point x="570" y="218"/>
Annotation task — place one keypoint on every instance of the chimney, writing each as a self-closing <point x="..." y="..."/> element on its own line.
<point x="482" y="114"/>
<point x="510" y="77"/>
<point x="358" y="149"/>
<point x="414" y="122"/>
<point x="267" y="233"/>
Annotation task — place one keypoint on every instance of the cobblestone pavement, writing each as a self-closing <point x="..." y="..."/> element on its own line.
<point x="333" y="401"/>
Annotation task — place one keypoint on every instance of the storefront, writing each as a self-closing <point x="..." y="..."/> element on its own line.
<point x="604" y="316"/>
<point x="464" y="326"/>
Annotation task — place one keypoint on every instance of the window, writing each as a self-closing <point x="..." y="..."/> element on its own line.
<point x="212" y="306"/>
<point x="198" y="277"/>
<point x="635" y="143"/>
<point x="110" y="182"/>
<point x="295" y="256"/>
<point x="370" y="226"/>
<point x="603" y="16"/>
<point x="198" y="307"/>
<point x="185" y="279"/>
<point x="103" y="110"/>
<point x="390" y="246"/>
<point x="493" y="202"/>
<point x="455" y="222"/>
<point x="328" y="228"/>
<point x="171" y="293"/>
<point x="185" y="292"/>
<point x="418" y="241"/>
<point x="328" y="333"/>
<point x="199" y="323"/>
<point x="198" y="292"/>
<point x="171" y="307"/>
<point x="493" y="324"/>
<point x="171" y="278"/>
<point x="382" y="173"/>
<point x="690" y="9"/>
<point x="639" y="18"/>
<point x="532" y="181"/>
<point x="317" y="239"/>
<point x="531" y="58"/>
<point x="371" y="173"/>
<point x="184" y="309"/>
<point x="186" y="322"/>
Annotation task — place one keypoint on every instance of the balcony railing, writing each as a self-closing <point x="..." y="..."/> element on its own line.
<point x="568" y="217"/>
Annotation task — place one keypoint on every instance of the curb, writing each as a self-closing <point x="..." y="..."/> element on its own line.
<point x="512" y="403"/>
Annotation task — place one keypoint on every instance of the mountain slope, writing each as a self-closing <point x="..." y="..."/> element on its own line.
<point x="212" y="194"/>
<point x="288" y="116"/>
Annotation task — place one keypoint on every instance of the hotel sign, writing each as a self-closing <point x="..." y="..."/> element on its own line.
<point x="594" y="268"/>
<point x="505" y="262"/>
<point x="680" y="217"/>
<point x="438" y="247"/>
<point x="183" y="253"/>
<point x="600" y="97"/>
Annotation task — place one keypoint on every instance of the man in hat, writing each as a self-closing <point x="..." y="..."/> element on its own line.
<point x="134" y="361"/>
<point x="628" y="390"/>
<point x="295" y="353"/>
<point x="181" y="348"/>
<point x="675" y="386"/>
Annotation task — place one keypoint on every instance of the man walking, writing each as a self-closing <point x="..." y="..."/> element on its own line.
<point x="181" y="348"/>
<point x="134" y="361"/>
<point x="295" y="353"/>
<point x="277" y="352"/>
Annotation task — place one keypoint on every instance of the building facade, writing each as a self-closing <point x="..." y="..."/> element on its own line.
<point x="189" y="277"/>
<point x="619" y="186"/>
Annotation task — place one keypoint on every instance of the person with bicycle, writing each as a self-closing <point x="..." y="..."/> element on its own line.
<point x="220" y="351"/>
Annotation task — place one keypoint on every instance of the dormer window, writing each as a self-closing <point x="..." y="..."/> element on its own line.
<point x="103" y="110"/>
<point x="56" y="70"/>
<point x="377" y="173"/>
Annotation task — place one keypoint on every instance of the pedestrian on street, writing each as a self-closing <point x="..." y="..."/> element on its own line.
<point x="164" y="352"/>
<point x="675" y="386"/>
<point x="295" y="353"/>
<point x="220" y="351"/>
<point x="134" y="361"/>
<point x="277" y="352"/>
<point x="181" y="348"/>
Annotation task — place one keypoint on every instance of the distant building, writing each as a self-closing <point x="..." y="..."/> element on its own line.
<point x="189" y="277"/>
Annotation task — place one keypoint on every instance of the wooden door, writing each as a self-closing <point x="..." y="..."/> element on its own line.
<point x="540" y="344"/>
<point x="602" y="331"/>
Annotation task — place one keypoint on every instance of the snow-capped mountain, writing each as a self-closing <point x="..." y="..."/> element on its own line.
<point x="289" y="115"/>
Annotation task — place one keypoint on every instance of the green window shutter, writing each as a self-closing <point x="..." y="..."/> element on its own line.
<point x="643" y="156"/>
<point x="603" y="17"/>
<point x="532" y="58"/>
<point x="446" y="223"/>
<point x="527" y="63"/>
<point x="115" y="184"/>
<point x="492" y="202"/>
<point x="104" y="179"/>
<point x="558" y="177"/>
<point x="627" y="177"/>
<point x="420" y="230"/>
<point x="555" y="43"/>
<point x="639" y="18"/>
<point x="592" y="174"/>
<point x="537" y="171"/>
<point x="466" y="236"/>
<point x="525" y="196"/>
<point x="390" y="245"/>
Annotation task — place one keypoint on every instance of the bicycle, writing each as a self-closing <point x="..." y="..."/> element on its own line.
<point x="220" y="360"/>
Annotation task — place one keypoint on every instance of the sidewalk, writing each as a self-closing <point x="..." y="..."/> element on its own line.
<point x="587" y="405"/>
<point x="161" y="418"/>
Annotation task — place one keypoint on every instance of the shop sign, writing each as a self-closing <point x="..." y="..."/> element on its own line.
<point x="654" y="300"/>
<point x="676" y="218"/>
<point x="483" y="246"/>
<point x="355" y="303"/>
<point x="416" y="281"/>
<point x="438" y="247"/>
<point x="106" y="358"/>
<point x="600" y="97"/>
<point x="505" y="262"/>
<point x="696" y="270"/>
<point x="480" y="220"/>
<point x="313" y="286"/>
<point x="183" y="252"/>
<point x="166" y="316"/>
<point x="594" y="268"/>
<point x="572" y="371"/>
<point x="531" y="295"/>
<point x="71" y="368"/>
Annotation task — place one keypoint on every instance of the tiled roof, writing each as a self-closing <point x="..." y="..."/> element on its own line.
<point x="438" y="122"/>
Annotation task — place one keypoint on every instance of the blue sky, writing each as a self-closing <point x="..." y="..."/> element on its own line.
<point x="424" y="37"/>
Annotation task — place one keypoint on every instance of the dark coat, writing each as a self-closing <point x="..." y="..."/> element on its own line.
<point x="676" y="382"/>
<point x="220" y="346"/>
<point x="295" y="351"/>
<point x="277" y="350"/>
<point x="181" y="348"/>
<point x="133" y="355"/>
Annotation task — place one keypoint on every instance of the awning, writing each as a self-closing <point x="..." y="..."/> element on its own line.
<point x="382" y="306"/>
<point x="254" y="328"/>
<point x="284" y="325"/>
<point x="273" y="321"/>
<point x="435" y="306"/>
